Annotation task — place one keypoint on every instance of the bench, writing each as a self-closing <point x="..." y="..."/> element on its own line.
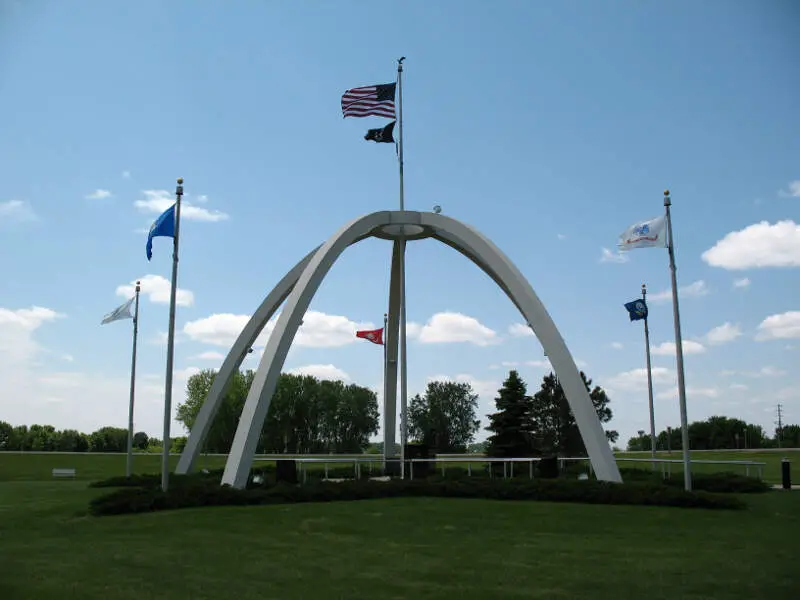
<point x="63" y="472"/>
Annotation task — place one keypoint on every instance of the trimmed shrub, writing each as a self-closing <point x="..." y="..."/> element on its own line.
<point x="207" y="492"/>
<point x="718" y="483"/>
<point x="548" y="467"/>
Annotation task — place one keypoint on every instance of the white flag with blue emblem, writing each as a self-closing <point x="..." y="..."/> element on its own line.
<point x="645" y="234"/>
<point x="119" y="313"/>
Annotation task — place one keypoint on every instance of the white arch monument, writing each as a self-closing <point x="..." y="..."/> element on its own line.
<point x="300" y="284"/>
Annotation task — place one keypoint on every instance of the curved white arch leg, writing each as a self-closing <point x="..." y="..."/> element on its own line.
<point x="233" y="361"/>
<point x="491" y="259"/>
<point x="472" y="245"/>
<point x="258" y="400"/>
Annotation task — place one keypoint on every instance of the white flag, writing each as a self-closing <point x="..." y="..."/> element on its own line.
<point x="645" y="234"/>
<point x="119" y="313"/>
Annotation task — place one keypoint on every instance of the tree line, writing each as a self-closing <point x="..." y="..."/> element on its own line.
<point x="46" y="438"/>
<point x="306" y="415"/>
<point x="444" y="418"/>
<point x="719" y="433"/>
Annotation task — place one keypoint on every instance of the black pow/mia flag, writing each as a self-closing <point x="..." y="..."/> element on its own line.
<point x="382" y="134"/>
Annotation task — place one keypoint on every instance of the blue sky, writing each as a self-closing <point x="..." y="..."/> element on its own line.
<point x="550" y="127"/>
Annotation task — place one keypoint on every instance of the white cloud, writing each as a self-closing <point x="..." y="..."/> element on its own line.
<point x="325" y="372"/>
<point x="157" y="288"/>
<point x="126" y="174"/>
<point x="727" y="332"/>
<point x="520" y="330"/>
<point x="447" y="327"/>
<point x="781" y="326"/>
<point x="636" y="379"/>
<point x="792" y="190"/>
<point x="184" y="374"/>
<point x="669" y="348"/>
<point x="691" y="392"/>
<point x="758" y="245"/>
<point x="744" y="282"/>
<point x="17" y="211"/>
<point x="486" y="389"/>
<point x="36" y="389"/>
<point x="319" y="330"/>
<point x="17" y="345"/>
<point x="98" y="194"/>
<point x="413" y="329"/>
<point x="210" y="355"/>
<point x="616" y="345"/>
<point x="541" y="364"/>
<point x="613" y="257"/>
<point x="768" y="371"/>
<point x="738" y="386"/>
<point x="157" y="201"/>
<point x="693" y="290"/>
<point x="561" y="236"/>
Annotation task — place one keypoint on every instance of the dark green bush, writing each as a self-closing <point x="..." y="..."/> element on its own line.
<point x="718" y="483"/>
<point x="207" y="492"/>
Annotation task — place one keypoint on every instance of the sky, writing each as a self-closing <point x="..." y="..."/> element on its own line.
<point x="550" y="127"/>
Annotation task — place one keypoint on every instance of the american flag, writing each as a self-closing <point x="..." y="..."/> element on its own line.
<point x="377" y="100"/>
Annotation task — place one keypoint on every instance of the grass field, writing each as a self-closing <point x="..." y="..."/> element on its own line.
<point x="402" y="548"/>
<point x="38" y="466"/>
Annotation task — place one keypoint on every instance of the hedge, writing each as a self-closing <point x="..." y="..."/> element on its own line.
<point x="718" y="483"/>
<point x="206" y="491"/>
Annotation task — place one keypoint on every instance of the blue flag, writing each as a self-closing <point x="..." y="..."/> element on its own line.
<point x="637" y="310"/>
<point x="163" y="226"/>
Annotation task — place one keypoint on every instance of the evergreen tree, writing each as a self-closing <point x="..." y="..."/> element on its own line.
<point x="556" y="431"/>
<point x="512" y="424"/>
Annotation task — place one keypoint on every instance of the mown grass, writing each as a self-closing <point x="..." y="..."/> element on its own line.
<point x="38" y="466"/>
<point x="421" y="548"/>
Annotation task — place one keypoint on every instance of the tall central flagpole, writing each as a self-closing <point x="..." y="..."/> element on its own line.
<point x="400" y="125"/>
<point x="649" y="383"/>
<point x="403" y="353"/>
<point x="129" y="461"/>
<point x="171" y="341"/>
<point x="687" y="463"/>
<point x="385" y="387"/>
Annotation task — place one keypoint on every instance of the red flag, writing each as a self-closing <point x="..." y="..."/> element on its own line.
<point x="373" y="335"/>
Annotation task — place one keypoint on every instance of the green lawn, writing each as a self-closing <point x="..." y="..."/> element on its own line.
<point x="401" y="548"/>
<point x="38" y="466"/>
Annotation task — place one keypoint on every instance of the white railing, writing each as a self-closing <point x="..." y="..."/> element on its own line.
<point x="357" y="460"/>
<point x="508" y="463"/>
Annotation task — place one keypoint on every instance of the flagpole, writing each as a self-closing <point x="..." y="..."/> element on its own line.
<point x="649" y="382"/>
<point x="687" y="463"/>
<point x="402" y="269"/>
<point x="171" y="342"/>
<point x="385" y="389"/>
<point x="129" y="461"/>
<point x="400" y="125"/>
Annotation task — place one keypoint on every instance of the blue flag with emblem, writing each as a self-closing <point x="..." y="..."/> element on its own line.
<point x="637" y="310"/>
<point x="163" y="226"/>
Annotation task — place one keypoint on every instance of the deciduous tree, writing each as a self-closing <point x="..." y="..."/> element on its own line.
<point x="444" y="417"/>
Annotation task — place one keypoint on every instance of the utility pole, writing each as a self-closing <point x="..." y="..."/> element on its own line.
<point x="779" y="423"/>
